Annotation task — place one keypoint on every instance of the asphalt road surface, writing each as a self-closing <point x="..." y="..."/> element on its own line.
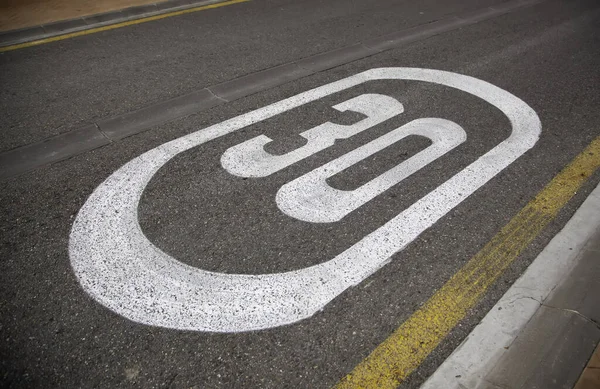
<point x="196" y="212"/>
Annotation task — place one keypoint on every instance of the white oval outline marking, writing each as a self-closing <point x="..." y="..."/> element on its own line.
<point x="120" y="268"/>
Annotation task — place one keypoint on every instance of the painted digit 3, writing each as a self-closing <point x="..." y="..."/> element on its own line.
<point x="120" y="268"/>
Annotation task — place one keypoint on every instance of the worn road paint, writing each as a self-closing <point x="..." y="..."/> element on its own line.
<point x="310" y="198"/>
<point x="120" y="268"/>
<point x="403" y="351"/>
<point x="117" y="25"/>
<point x="249" y="159"/>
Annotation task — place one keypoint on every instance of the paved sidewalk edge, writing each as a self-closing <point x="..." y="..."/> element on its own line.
<point x="590" y="378"/>
<point x="25" y="158"/>
<point x="62" y="27"/>
<point x="537" y="319"/>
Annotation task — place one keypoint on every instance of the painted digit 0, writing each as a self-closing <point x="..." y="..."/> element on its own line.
<point x="120" y="268"/>
<point x="311" y="199"/>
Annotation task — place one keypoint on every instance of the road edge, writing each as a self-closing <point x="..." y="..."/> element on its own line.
<point x="68" y="26"/>
<point x="521" y="318"/>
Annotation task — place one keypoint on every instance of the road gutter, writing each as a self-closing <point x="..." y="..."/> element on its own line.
<point x="85" y="25"/>
<point x="392" y="361"/>
<point x="543" y="330"/>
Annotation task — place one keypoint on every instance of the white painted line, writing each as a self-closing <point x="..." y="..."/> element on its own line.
<point x="469" y="364"/>
<point x="120" y="268"/>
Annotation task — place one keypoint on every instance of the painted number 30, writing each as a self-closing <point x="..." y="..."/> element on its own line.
<point x="119" y="267"/>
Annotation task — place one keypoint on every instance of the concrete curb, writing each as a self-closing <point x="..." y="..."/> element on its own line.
<point x="26" y="158"/>
<point x="63" y="27"/>
<point x="543" y="330"/>
<point x="590" y="378"/>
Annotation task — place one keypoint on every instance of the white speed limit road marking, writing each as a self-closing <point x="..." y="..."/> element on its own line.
<point x="120" y="268"/>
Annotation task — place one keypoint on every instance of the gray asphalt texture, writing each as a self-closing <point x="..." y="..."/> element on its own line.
<point x="54" y="335"/>
<point x="56" y="88"/>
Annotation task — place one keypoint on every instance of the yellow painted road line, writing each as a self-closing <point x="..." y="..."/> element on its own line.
<point x="118" y="25"/>
<point x="403" y="351"/>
